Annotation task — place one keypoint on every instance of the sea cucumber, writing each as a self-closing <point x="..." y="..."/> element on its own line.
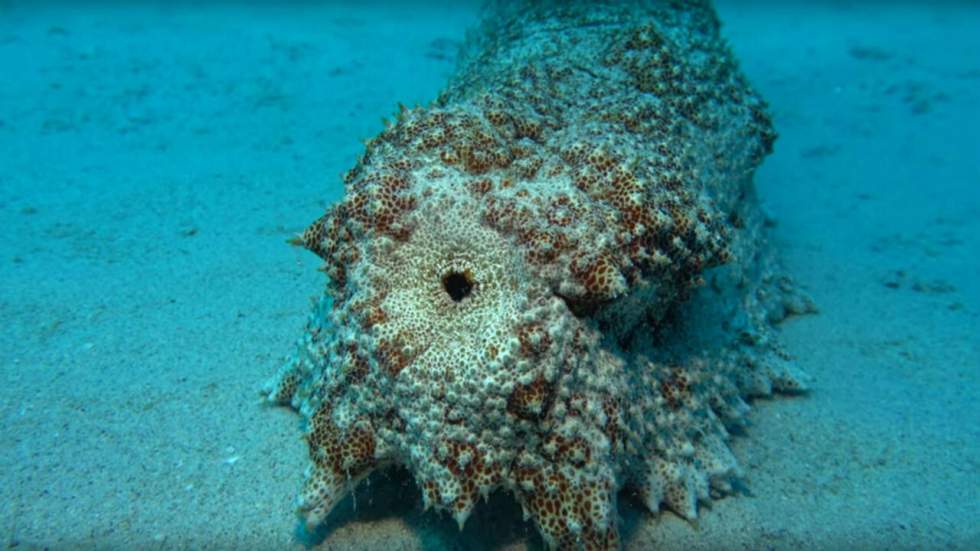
<point x="554" y="281"/>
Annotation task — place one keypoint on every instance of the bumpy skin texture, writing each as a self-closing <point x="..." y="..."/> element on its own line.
<point x="554" y="281"/>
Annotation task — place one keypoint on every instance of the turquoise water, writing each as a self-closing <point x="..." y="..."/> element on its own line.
<point x="154" y="158"/>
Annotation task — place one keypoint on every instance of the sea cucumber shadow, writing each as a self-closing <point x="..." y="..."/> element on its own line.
<point x="499" y="524"/>
<point x="393" y="494"/>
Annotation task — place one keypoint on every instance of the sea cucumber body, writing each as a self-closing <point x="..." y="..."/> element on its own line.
<point x="554" y="281"/>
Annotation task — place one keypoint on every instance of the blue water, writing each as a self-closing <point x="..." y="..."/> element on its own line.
<point x="154" y="158"/>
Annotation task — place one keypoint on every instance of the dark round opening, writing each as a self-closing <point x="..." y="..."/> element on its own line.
<point x="457" y="285"/>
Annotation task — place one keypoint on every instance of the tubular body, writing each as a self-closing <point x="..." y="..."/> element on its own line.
<point x="517" y="293"/>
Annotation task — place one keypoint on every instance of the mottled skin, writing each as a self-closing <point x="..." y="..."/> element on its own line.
<point x="517" y="293"/>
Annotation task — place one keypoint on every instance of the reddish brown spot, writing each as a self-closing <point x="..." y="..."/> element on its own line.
<point x="531" y="401"/>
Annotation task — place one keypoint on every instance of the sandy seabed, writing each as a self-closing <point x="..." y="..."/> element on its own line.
<point x="154" y="159"/>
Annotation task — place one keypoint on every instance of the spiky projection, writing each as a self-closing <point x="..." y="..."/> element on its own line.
<point x="554" y="281"/>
